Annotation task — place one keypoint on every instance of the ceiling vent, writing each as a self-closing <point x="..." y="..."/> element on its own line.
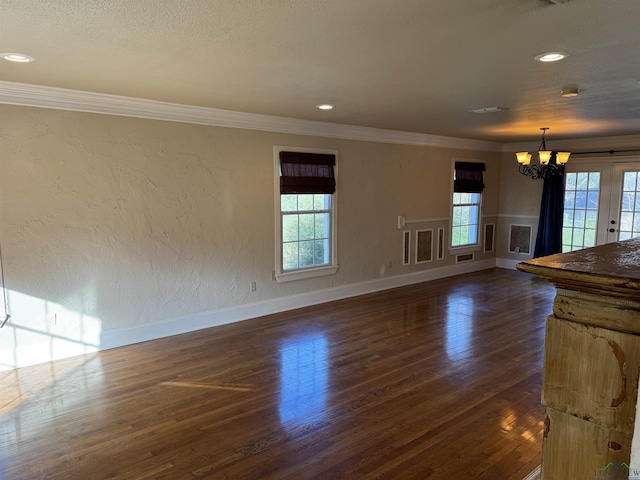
<point x="488" y="110"/>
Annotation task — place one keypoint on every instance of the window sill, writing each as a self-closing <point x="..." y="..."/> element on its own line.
<point x="306" y="273"/>
<point x="464" y="249"/>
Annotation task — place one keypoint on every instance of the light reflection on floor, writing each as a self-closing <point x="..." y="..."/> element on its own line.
<point x="459" y="327"/>
<point x="49" y="392"/>
<point x="303" y="379"/>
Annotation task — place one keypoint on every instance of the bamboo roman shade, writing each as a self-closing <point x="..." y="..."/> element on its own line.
<point x="307" y="172"/>
<point x="468" y="177"/>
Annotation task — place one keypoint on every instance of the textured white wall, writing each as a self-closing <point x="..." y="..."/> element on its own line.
<point x="127" y="221"/>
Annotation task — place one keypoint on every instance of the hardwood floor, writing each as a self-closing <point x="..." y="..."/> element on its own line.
<point x="439" y="380"/>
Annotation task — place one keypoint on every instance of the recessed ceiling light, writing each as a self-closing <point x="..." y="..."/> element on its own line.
<point x="551" y="56"/>
<point x="569" y="92"/>
<point x="17" y="57"/>
<point x="325" y="106"/>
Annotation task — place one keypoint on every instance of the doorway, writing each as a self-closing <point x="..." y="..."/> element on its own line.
<point x="602" y="202"/>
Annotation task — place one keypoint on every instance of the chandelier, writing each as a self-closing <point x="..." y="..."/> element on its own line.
<point x="549" y="163"/>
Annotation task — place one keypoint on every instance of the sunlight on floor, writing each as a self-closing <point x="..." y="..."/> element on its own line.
<point x="41" y="331"/>
<point x="211" y="386"/>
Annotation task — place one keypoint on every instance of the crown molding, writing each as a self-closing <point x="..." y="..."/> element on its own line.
<point x="63" y="99"/>
<point x="578" y="144"/>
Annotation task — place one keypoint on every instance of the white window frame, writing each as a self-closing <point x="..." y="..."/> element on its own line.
<point x="474" y="247"/>
<point x="305" y="272"/>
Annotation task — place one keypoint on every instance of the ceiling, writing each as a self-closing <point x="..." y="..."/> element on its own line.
<point x="407" y="65"/>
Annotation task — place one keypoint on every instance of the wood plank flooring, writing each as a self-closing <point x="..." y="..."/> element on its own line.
<point x="439" y="380"/>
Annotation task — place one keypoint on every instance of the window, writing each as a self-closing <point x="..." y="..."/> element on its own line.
<point x="468" y="184"/>
<point x="306" y="213"/>
<point x="306" y="232"/>
<point x="466" y="218"/>
<point x="580" y="218"/>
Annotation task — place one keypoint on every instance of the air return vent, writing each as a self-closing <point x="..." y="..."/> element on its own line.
<point x="467" y="257"/>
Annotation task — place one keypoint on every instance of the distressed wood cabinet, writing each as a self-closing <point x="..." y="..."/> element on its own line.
<point x="591" y="358"/>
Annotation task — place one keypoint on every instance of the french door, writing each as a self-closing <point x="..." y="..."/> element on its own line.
<point x="601" y="204"/>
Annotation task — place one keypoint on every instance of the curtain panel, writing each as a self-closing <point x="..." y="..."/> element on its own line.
<point x="549" y="237"/>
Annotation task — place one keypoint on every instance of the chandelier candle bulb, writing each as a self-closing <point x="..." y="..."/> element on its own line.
<point x="544" y="156"/>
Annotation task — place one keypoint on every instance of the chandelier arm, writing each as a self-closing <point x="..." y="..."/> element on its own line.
<point x="541" y="172"/>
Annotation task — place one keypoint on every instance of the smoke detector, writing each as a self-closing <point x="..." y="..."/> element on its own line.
<point x="569" y="92"/>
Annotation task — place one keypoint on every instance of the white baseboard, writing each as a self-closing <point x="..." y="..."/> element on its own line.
<point x="535" y="475"/>
<point x="508" y="263"/>
<point x="189" y="323"/>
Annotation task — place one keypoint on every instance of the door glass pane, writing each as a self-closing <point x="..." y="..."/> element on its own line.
<point x="629" y="226"/>
<point x="630" y="179"/>
<point x="582" y="194"/>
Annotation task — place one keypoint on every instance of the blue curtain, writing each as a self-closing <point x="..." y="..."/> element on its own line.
<point x="549" y="238"/>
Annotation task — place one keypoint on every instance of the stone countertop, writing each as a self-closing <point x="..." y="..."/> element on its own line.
<point x="613" y="267"/>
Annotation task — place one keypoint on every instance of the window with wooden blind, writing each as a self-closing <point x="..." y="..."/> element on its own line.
<point x="468" y="185"/>
<point x="306" y="201"/>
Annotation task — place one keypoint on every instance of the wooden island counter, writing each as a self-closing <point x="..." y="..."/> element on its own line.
<point x="591" y="359"/>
